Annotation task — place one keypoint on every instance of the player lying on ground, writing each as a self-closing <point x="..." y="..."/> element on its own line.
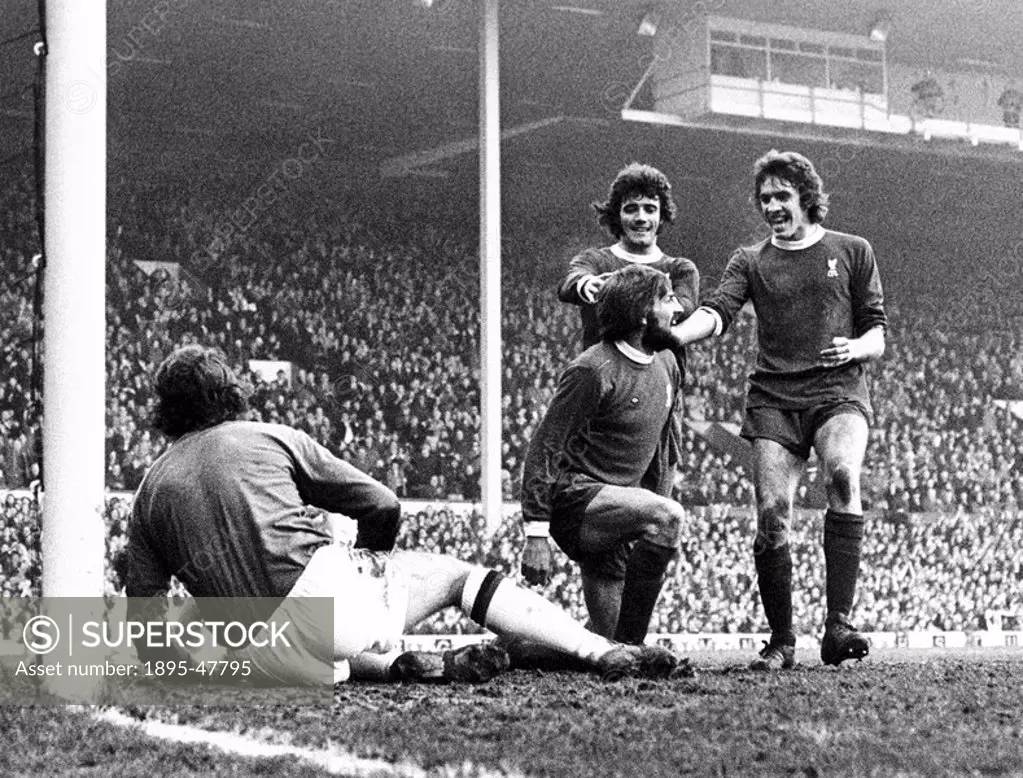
<point x="243" y="487"/>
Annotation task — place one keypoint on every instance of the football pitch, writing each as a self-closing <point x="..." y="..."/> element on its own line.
<point x="900" y="712"/>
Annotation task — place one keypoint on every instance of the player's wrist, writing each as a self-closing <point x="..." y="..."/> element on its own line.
<point x="716" y="323"/>
<point x="537" y="530"/>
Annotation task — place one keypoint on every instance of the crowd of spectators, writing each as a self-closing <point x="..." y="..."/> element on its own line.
<point x="380" y="321"/>
<point x="939" y="573"/>
<point x="19" y="418"/>
<point x="942" y="573"/>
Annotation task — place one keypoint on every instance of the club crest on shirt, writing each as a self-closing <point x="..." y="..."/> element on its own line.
<point x="833" y="267"/>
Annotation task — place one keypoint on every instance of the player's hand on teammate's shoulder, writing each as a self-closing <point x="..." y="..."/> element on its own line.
<point x="537" y="561"/>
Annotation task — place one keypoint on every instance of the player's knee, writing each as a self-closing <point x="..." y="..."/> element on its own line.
<point x="667" y="525"/>
<point x="772" y="525"/>
<point x="478" y="591"/>
<point x="842" y="483"/>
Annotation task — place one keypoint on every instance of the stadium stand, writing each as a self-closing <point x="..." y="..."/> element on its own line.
<point x="935" y="573"/>
<point x="380" y="323"/>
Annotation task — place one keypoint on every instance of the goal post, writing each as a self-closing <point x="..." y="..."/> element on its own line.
<point x="74" y="372"/>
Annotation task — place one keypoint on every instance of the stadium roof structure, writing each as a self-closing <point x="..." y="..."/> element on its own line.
<point x="233" y="84"/>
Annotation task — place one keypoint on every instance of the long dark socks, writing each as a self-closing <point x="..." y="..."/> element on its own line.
<point x="774" y="578"/>
<point x="644" y="578"/>
<point x="843" y="543"/>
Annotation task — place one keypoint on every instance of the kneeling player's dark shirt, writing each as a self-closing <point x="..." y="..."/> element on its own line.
<point x="612" y="419"/>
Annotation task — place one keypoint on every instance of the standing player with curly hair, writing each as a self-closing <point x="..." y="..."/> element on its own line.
<point x="638" y="207"/>
<point x="820" y="318"/>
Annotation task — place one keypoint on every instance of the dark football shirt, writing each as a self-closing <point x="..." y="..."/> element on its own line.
<point x="225" y="510"/>
<point x="802" y="299"/>
<point x="612" y="419"/>
<point x="685" y="282"/>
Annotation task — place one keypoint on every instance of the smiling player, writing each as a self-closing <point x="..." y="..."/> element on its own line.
<point x="820" y="317"/>
<point x="638" y="207"/>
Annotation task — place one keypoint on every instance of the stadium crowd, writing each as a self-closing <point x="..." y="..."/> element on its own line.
<point x="942" y="572"/>
<point x="380" y="322"/>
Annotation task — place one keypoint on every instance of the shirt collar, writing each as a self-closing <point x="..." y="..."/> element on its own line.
<point x="634" y="354"/>
<point x="644" y="259"/>
<point x="813" y="235"/>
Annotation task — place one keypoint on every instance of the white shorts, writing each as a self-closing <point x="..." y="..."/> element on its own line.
<point x="370" y="599"/>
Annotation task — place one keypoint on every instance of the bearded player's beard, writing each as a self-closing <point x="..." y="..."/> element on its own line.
<point x="657" y="337"/>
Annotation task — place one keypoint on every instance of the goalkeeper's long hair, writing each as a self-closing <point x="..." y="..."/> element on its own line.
<point x="196" y="389"/>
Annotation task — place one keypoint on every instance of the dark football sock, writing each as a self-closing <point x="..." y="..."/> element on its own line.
<point x="774" y="579"/>
<point x="843" y="542"/>
<point x="644" y="577"/>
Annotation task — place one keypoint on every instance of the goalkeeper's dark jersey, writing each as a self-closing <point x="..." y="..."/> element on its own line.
<point x="224" y="510"/>
<point x="612" y="419"/>
<point x="802" y="299"/>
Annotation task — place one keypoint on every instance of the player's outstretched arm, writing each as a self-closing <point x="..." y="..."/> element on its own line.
<point x="699" y="326"/>
<point x="583" y="281"/>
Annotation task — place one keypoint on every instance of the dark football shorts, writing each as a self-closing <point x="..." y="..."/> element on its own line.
<point x="795" y="428"/>
<point x="571" y="497"/>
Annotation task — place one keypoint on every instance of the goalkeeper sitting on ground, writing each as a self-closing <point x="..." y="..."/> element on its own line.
<point x="242" y="487"/>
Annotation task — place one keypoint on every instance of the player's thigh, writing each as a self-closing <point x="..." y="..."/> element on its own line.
<point x="433" y="582"/>
<point x="842" y="439"/>
<point x="776" y="472"/>
<point x="619" y="514"/>
<point x="370" y="596"/>
<point x="841" y="444"/>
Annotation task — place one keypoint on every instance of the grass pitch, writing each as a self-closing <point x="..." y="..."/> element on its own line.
<point x="900" y="712"/>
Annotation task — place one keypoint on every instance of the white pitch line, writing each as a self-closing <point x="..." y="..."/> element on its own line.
<point x="333" y="760"/>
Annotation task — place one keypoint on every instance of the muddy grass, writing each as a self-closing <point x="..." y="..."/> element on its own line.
<point x="932" y="713"/>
